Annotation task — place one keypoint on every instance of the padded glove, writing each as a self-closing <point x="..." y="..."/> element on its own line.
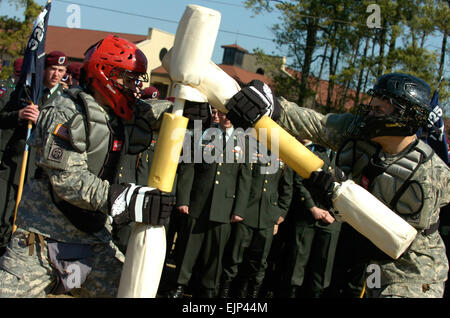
<point x="321" y="185"/>
<point x="197" y="111"/>
<point x="251" y="103"/>
<point x="130" y="202"/>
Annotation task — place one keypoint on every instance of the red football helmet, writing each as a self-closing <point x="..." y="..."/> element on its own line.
<point x="115" y="67"/>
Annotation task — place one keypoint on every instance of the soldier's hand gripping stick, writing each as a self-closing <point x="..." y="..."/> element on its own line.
<point x="193" y="46"/>
<point x="150" y="210"/>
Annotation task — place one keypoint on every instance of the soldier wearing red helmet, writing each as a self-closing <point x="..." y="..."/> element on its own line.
<point x="114" y="67"/>
<point x="67" y="210"/>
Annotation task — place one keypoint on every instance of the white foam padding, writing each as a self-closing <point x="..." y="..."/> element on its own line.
<point x="144" y="262"/>
<point x="194" y="43"/>
<point x="365" y="213"/>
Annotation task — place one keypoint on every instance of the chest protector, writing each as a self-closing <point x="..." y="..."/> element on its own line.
<point x="393" y="183"/>
<point x="93" y="133"/>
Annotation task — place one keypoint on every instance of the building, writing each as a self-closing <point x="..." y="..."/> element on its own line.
<point x="74" y="42"/>
<point x="237" y="62"/>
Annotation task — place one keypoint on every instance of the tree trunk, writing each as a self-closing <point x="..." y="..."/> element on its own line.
<point x="443" y="49"/>
<point x="368" y="69"/>
<point x="390" y="61"/>
<point x="311" y="42"/>
<point x="348" y="81"/>
<point x="334" y="59"/>
<point x="381" y="52"/>
<point x="361" y="73"/>
<point x="322" y="64"/>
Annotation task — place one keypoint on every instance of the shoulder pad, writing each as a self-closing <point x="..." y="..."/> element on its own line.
<point x="425" y="149"/>
<point x="78" y="132"/>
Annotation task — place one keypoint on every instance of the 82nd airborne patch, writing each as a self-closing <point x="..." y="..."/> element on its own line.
<point x="56" y="152"/>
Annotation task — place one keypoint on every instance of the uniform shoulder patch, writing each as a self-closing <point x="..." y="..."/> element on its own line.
<point x="56" y="153"/>
<point x="2" y="91"/>
<point x="62" y="132"/>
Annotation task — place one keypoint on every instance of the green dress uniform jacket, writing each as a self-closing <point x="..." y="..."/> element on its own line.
<point x="270" y="195"/>
<point x="268" y="200"/>
<point x="313" y="243"/>
<point x="210" y="190"/>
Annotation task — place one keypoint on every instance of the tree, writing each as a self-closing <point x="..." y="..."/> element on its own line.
<point x="15" y="33"/>
<point x="298" y="31"/>
<point x="330" y="38"/>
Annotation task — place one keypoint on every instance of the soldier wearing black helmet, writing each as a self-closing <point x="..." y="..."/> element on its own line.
<point x="379" y="150"/>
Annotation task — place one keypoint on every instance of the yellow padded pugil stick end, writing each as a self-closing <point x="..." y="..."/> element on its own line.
<point x="291" y="151"/>
<point x="167" y="152"/>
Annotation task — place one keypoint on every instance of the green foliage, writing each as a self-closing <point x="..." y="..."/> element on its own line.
<point x="330" y="38"/>
<point x="14" y="33"/>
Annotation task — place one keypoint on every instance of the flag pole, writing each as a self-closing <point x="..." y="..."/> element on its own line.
<point x="23" y="170"/>
<point x="22" y="175"/>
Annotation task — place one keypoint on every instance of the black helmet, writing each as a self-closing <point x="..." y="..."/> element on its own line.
<point x="404" y="89"/>
<point x="411" y="98"/>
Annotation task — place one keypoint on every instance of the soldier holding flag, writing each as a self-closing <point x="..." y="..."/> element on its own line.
<point x="63" y="241"/>
<point x="22" y="108"/>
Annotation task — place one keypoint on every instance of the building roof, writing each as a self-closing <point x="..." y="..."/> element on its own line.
<point x="238" y="74"/>
<point x="74" y="42"/>
<point x="235" y="46"/>
<point x="322" y="91"/>
<point x="243" y="76"/>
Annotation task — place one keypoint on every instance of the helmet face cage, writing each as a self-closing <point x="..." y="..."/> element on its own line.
<point x="405" y="113"/>
<point x="410" y="98"/>
<point x="133" y="91"/>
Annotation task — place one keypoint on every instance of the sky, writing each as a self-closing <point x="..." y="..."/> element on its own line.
<point x="238" y="25"/>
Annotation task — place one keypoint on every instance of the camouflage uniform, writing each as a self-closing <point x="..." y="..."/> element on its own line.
<point x="422" y="270"/>
<point x="27" y="271"/>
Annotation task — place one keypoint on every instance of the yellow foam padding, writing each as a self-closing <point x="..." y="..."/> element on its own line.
<point x="291" y="151"/>
<point x="167" y="152"/>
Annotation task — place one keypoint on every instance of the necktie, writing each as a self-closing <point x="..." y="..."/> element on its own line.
<point x="45" y="96"/>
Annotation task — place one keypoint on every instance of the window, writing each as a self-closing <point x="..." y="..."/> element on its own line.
<point x="228" y="56"/>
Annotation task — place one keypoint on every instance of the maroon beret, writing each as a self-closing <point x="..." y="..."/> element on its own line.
<point x="74" y="69"/>
<point x="56" y="58"/>
<point x="18" y="66"/>
<point x="150" y="92"/>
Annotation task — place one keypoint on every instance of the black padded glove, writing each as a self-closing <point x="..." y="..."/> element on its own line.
<point x="130" y="202"/>
<point x="321" y="185"/>
<point x="247" y="106"/>
<point x="197" y="111"/>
